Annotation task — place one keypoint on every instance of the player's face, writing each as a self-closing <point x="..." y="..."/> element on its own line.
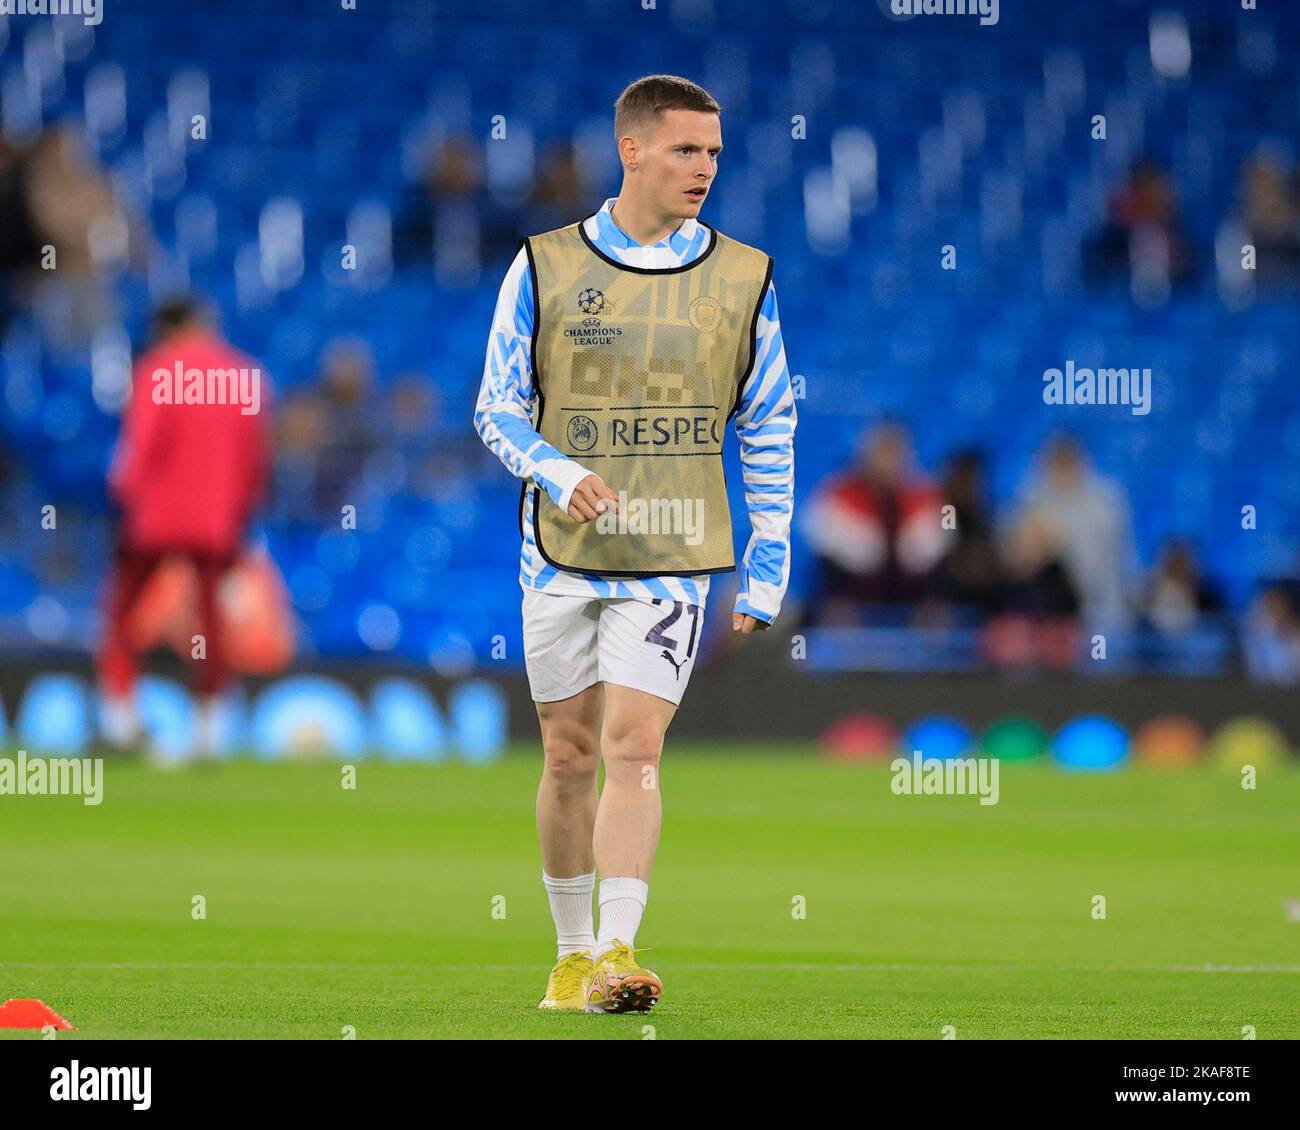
<point x="683" y="156"/>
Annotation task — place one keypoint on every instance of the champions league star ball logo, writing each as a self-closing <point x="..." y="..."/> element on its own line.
<point x="582" y="433"/>
<point x="592" y="331"/>
<point x="592" y="301"/>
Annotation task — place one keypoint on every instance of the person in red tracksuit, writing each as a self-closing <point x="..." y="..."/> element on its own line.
<point x="191" y="466"/>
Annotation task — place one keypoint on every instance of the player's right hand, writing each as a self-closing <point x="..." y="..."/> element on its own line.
<point x="591" y="498"/>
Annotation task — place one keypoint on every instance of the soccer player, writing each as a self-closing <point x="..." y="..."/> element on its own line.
<point x="620" y="348"/>
<point x="188" y="477"/>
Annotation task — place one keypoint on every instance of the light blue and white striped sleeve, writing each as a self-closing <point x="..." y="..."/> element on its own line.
<point x="503" y="416"/>
<point x="765" y="424"/>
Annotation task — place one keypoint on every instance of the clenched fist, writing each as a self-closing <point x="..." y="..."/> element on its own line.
<point x="592" y="498"/>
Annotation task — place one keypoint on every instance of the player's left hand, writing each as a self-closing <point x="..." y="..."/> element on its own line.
<point x="742" y="622"/>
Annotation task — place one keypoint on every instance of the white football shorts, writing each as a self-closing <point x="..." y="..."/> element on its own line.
<point x="571" y="642"/>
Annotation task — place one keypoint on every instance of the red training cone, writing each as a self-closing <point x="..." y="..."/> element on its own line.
<point x="31" y="1014"/>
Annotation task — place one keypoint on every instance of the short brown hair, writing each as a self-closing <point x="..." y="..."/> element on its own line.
<point x="643" y="101"/>
<point x="180" y="313"/>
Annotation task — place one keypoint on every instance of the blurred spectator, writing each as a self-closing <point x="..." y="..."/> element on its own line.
<point x="20" y="243"/>
<point x="345" y="384"/>
<point x="188" y="477"/>
<point x="1267" y="194"/>
<point x="1142" y="241"/>
<point x="1039" y="602"/>
<point x="968" y="573"/>
<point x="1271" y="637"/>
<point x="875" y="530"/>
<point x="1035" y="581"/>
<point x="301" y="441"/>
<point x="449" y="218"/>
<point x="1090" y="521"/>
<point x="1176" y="595"/>
<point x="430" y="459"/>
<point x="414" y="414"/>
<point x="53" y="195"/>
<point x="561" y="196"/>
<point x="339" y="442"/>
<point x="451" y="179"/>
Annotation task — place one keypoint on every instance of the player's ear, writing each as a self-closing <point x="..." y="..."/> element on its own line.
<point x="638" y="145"/>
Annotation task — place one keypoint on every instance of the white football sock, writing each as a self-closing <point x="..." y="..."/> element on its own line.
<point x="570" y="901"/>
<point x="118" y="722"/>
<point x="622" y="902"/>
<point x="205" y="728"/>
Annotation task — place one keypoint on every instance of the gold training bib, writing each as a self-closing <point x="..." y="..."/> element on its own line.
<point x="638" y="371"/>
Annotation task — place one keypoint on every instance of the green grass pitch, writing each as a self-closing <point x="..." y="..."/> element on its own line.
<point x="374" y="908"/>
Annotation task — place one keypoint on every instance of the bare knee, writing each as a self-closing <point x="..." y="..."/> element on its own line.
<point x="633" y="746"/>
<point x="572" y="755"/>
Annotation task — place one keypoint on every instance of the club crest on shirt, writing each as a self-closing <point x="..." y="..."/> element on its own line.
<point x="705" y="313"/>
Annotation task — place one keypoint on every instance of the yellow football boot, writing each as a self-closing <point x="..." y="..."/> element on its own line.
<point x="619" y="984"/>
<point x="567" y="985"/>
